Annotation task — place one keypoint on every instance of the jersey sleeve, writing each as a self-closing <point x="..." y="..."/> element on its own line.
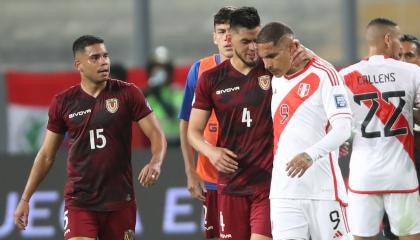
<point x="334" y="96"/>
<point x="202" y="98"/>
<point x="138" y="104"/>
<point x="56" y="121"/>
<point x="185" y="111"/>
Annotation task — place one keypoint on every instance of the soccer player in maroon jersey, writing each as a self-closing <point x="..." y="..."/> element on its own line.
<point x="97" y="116"/>
<point x="239" y="91"/>
<point x="202" y="176"/>
<point x="410" y="49"/>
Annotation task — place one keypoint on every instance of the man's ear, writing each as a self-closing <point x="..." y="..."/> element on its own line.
<point x="214" y="38"/>
<point x="387" y="40"/>
<point x="296" y="42"/>
<point x="294" y="46"/>
<point x="77" y="65"/>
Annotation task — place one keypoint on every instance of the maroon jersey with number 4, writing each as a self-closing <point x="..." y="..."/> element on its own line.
<point x="99" y="173"/>
<point x="242" y="107"/>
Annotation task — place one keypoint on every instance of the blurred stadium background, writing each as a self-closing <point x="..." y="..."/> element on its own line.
<point x="36" y="62"/>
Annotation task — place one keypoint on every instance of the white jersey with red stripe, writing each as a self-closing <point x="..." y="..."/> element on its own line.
<point x="382" y="93"/>
<point x="302" y="106"/>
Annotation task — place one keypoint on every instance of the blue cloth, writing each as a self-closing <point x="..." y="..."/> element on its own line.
<point x="210" y="186"/>
<point x="189" y="90"/>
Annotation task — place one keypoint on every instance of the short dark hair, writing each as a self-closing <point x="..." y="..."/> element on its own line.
<point x="223" y="15"/>
<point x="408" y="38"/>
<point x="246" y="17"/>
<point x="412" y="39"/>
<point x="273" y="32"/>
<point x="84" y="41"/>
<point x="382" y="22"/>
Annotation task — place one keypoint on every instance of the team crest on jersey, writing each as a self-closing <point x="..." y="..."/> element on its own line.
<point x="112" y="105"/>
<point x="303" y="89"/>
<point x="129" y="235"/>
<point x="264" y="82"/>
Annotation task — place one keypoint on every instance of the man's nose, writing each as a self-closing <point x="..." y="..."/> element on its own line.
<point x="253" y="46"/>
<point x="228" y="37"/>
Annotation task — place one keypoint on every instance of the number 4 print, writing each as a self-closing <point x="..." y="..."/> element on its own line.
<point x="222" y="224"/>
<point x="246" y="117"/>
<point x="205" y="215"/>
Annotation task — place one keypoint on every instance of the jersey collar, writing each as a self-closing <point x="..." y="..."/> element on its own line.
<point x="376" y="57"/>
<point x="293" y="75"/>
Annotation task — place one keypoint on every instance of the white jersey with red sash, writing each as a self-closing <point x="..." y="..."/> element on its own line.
<point x="303" y="105"/>
<point x="382" y="93"/>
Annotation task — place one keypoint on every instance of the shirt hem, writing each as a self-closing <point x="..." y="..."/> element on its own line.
<point x="114" y="207"/>
<point x="343" y="203"/>
<point x="379" y="191"/>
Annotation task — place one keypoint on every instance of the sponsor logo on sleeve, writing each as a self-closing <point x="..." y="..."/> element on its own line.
<point x="340" y="101"/>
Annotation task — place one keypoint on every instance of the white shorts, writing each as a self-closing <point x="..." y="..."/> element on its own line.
<point x="367" y="210"/>
<point x="303" y="219"/>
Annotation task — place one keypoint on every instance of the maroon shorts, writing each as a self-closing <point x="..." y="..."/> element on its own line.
<point x="211" y="215"/>
<point x="119" y="224"/>
<point x="241" y="216"/>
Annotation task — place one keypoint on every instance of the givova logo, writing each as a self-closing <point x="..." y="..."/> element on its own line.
<point x="80" y="113"/>
<point x="225" y="236"/>
<point x="227" y="90"/>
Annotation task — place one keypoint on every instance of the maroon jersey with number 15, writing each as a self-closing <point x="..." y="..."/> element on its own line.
<point x="242" y="107"/>
<point x="99" y="172"/>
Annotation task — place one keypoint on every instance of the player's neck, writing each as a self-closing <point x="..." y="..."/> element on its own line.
<point x="91" y="87"/>
<point x="298" y="67"/>
<point x="377" y="51"/>
<point x="240" y="66"/>
<point x="222" y="58"/>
